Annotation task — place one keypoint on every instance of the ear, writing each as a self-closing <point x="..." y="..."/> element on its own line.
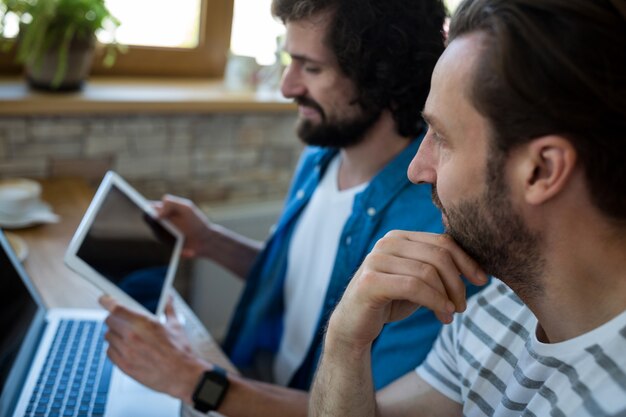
<point x="549" y="167"/>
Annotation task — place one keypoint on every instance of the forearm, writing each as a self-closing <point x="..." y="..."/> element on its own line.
<point x="246" y="397"/>
<point x="343" y="384"/>
<point x="230" y="250"/>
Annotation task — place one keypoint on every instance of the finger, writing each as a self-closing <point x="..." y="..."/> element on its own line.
<point x="118" y="320"/>
<point x="467" y="266"/>
<point x="188" y="253"/>
<point x="115" y="341"/>
<point x="444" y="253"/>
<point x="384" y="288"/>
<point x="117" y="357"/>
<point x="393" y="264"/>
<point x="445" y="271"/>
<point x="422" y="293"/>
<point x="117" y="351"/>
<point x="157" y="206"/>
<point x="173" y="201"/>
<point x="122" y="320"/>
<point x="445" y="318"/>
<point x="434" y="263"/>
<point x="118" y="310"/>
<point x="107" y="302"/>
<point x="170" y="312"/>
<point x="167" y="207"/>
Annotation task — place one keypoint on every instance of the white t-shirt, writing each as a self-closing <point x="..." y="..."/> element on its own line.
<point x="310" y="262"/>
<point x="489" y="359"/>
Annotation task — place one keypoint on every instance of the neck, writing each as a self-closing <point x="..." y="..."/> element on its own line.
<point x="584" y="281"/>
<point x="361" y="162"/>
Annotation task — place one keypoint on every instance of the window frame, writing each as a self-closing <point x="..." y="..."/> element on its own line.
<point x="207" y="59"/>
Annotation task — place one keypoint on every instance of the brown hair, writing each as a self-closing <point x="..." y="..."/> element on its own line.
<point x="555" y="67"/>
<point x="388" y="48"/>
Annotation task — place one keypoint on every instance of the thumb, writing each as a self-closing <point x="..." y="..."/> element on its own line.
<point x="170" y="312"/>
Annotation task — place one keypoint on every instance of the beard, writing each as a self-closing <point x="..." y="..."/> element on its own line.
<point x="338" y="133"/>
<point x="490" y="231"/>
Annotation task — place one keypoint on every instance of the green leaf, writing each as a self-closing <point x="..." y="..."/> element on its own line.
<point x="53" y="24"/>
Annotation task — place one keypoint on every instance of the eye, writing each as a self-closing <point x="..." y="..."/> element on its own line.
<point x="312" y="69"/>
<point x="433" y="135"/>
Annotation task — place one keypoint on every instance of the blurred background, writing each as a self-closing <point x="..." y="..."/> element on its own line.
<point x="177" y="97"/>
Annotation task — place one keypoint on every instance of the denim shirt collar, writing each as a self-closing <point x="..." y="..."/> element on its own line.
<point x="376" y="196"/>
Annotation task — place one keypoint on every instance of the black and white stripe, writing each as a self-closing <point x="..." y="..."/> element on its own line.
<point x="490" y="361"/>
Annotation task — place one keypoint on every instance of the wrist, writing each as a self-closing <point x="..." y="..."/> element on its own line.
<point x="215" y="234"/>
<point x="210" y="390"/>
<point x="207" y="240"/>
<point x="339" y="343"/>
<point x="189" y="382"/>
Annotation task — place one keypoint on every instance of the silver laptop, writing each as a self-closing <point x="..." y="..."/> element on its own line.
<point x="53" y="361"/>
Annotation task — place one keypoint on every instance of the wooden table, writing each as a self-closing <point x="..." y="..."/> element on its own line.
<point x="61" y="287"/>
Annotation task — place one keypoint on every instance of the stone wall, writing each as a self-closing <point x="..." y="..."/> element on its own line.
<point x="216" y="158"/>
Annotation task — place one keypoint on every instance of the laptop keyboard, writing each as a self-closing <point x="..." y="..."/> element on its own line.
<point x="75" y="378"/>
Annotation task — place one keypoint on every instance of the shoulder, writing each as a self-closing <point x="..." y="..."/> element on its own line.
<point x="411" y="208"/>
<point x="312" y="162"/>
<point x="496" y="297"/>
<point x="312" y="155"/>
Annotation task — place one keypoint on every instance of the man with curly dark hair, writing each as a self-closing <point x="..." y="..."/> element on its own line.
<point x="360" y="73"/>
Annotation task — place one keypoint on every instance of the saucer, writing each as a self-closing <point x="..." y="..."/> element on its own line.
<point x="18" y="244"/>
<point x="39" y="213"/>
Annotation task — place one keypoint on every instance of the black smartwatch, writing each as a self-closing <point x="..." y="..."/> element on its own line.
<point x="211" y="390"/>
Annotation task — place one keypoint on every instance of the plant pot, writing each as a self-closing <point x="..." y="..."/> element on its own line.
<point x="41" y="75"/>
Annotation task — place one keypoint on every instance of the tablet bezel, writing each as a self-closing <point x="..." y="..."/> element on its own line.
<point x="86" y="271"/>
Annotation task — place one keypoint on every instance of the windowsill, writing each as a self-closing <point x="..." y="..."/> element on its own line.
<point x="137" y="95"/>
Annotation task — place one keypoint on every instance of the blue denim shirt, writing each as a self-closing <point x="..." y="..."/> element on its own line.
<point x="389" y="202"/>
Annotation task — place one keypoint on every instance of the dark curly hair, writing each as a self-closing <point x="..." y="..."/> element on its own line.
<point x="387" y="47"/>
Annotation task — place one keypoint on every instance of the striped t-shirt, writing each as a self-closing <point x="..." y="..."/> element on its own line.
<point x="489" y="359"/>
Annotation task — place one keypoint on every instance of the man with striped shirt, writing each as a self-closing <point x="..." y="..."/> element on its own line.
<point x="525" y="151"/>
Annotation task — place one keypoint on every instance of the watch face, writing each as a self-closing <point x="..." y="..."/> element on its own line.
<point x="210" y="391"/>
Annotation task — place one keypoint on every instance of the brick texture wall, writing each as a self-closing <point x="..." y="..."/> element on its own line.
<point x="217" y="158"/>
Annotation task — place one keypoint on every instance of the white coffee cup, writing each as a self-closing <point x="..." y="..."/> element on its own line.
<point x="18" y="196"/>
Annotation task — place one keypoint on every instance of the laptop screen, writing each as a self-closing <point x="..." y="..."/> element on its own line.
<point x="18" y="314"/>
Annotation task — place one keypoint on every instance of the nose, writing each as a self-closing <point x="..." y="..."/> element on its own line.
<point x="291" y="84"/>
<point x="423" y="166"/>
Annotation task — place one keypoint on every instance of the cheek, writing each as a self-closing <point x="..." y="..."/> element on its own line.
<point x="447" y="188"/>
<point x="339" y="96"/>
<point x="455" y="184"/>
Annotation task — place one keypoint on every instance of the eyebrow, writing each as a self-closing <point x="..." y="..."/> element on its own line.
<point x="305" y="58"/>
<point x="432" y="121"/>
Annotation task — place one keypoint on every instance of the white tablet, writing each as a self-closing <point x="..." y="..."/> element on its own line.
<point x="124" y="250"/>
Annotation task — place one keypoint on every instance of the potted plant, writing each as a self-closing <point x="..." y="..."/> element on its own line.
<point x="56" y="39"/>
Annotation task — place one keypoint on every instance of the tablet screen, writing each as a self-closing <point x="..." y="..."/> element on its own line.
<point x="128" y="248"/>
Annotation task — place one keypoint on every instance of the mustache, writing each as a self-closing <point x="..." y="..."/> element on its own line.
<point x="309" y="102"/>
<point x="435" y="198"/>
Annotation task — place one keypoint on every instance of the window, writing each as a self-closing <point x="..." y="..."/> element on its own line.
<point x="182" y="38"/>
<point x="186" y="37"/>
<point x="255" y="31"/>
<point x="181" y="21"/>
